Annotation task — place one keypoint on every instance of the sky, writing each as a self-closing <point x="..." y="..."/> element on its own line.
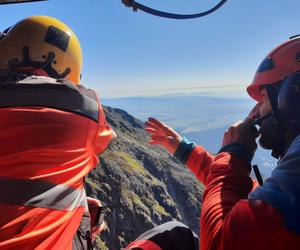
<point x="136" y="54"/>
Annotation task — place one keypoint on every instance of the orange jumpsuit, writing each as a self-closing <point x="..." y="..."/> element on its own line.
<point x="51" y="133"/>
<point x="237" y="214"/>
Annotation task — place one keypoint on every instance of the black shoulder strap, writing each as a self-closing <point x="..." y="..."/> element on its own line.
<point x="51" y="93"/>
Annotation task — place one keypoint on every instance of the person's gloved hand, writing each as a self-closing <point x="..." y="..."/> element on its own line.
<point x="162" y="135"/>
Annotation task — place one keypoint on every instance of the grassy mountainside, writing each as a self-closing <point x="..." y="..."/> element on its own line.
<point x="144" y="185"/>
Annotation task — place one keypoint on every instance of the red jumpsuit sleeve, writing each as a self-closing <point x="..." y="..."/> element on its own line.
<point x="199" y="162"/>
<point x="195" y="157"/>
<point x="104" y="135"/>
<point x="229" y="221"/>
<point x="227" y="183"/>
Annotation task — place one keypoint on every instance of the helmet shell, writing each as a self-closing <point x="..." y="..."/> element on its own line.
<point x="42" y="37"/>
<point x="277" y="65"/>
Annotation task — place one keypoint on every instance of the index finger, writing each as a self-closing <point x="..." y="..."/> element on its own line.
<point x="150" y="125"/>
<point x="156" y="122"/>
<point x="93" y="201"/>
<point x="254" y="113"/>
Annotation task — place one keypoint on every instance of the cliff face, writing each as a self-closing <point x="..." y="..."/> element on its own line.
<point x="143" y="184"/>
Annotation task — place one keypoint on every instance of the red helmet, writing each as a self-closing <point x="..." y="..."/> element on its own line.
<point x="278" y="64"/>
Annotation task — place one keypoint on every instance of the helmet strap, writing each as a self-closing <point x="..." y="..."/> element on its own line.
<point x="279" y="150"/>
<point x="285" y="133"/>
<point x="273" y="92"/>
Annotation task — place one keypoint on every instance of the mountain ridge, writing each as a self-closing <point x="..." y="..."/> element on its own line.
<point x="143" y="184"/>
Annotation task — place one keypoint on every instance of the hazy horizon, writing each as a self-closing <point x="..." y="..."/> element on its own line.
<point x="222" y="91"/>
<point x="202" y="119"/>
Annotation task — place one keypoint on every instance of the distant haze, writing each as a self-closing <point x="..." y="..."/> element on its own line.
<point x="202" y="119"/>
<point x="151" y="90"/>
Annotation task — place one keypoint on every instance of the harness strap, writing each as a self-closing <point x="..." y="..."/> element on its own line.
<point x="51" y="93"/>
<point x="42" y="194"/>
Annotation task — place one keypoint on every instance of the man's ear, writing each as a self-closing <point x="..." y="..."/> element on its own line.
<point x="273" y="91"/>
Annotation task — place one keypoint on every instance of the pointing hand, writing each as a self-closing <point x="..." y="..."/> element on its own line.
<point x="162" y="135"/>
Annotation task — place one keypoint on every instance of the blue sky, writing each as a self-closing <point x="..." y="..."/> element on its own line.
<point x="128" y="54"/>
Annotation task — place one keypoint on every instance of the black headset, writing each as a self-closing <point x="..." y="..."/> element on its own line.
<point x="288" y="101"/>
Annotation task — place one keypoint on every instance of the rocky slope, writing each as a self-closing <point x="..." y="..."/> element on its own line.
<point x="143" y="184"/>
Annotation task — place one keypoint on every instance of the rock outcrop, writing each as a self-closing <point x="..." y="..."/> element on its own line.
<point x="143" y="184"/>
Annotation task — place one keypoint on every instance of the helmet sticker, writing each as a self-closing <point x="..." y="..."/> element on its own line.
<point x="46" y="65"/>
<point x="58" y="38"/>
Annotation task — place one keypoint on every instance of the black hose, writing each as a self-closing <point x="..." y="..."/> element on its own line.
<point x="137" y="6"/>
<point x="19" y="1"/>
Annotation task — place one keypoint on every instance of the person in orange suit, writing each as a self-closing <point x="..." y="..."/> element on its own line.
<point x="52" y="130"/>
<point x="236" y="212"/>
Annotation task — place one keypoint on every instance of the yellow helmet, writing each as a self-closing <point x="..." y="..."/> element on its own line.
<point x="42" y="42"/>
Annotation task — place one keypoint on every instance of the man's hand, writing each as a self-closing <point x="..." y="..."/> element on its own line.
<point x="162" y="135"/>
<point x="96" y="229"/>
<point x="242" y="132"/>
<point x="255" y="112"/>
